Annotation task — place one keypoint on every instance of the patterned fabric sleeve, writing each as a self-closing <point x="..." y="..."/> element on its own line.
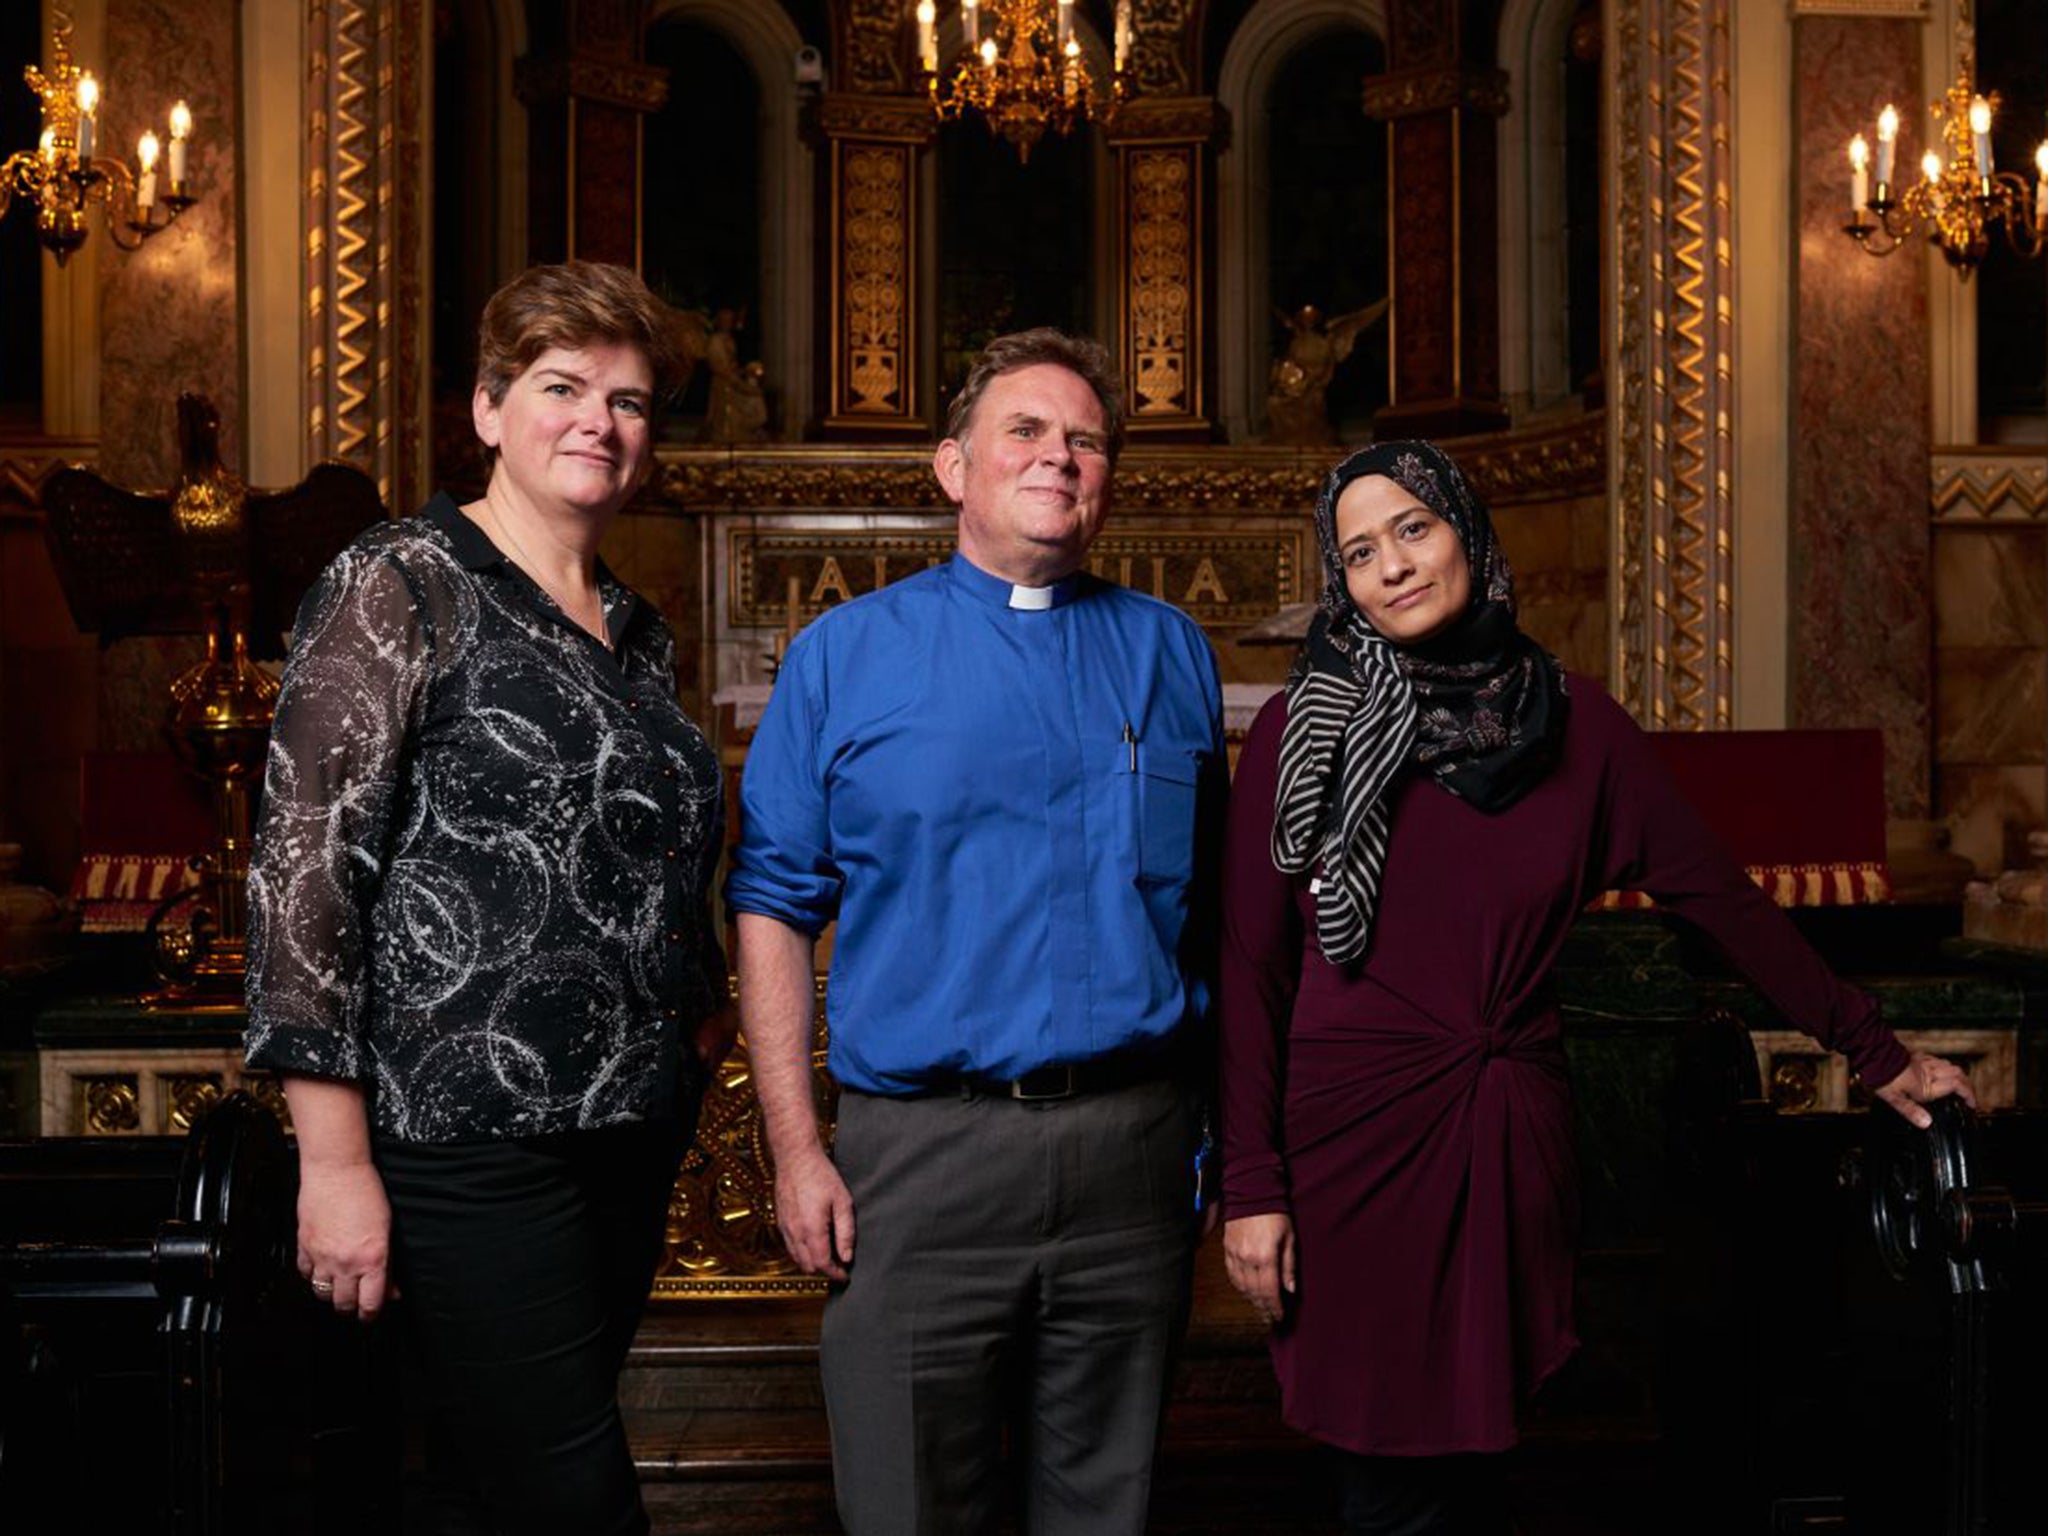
<point x="353" y="687"/>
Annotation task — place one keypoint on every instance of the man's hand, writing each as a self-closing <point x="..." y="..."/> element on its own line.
<point x="1258" y="1255"/>
<point x="1926" y="1079"/>
<point x="815" y="1212"/>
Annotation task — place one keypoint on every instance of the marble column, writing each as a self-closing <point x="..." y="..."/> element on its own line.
<point x="1442" y="110"/>
<point x="587" y="93"/>
<point x="1861" y="609"/>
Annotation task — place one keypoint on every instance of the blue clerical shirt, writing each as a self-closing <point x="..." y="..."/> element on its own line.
<point x="1009" y="811"/>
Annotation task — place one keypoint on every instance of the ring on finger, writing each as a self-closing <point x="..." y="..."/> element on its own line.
<point x="323" y="1287"/>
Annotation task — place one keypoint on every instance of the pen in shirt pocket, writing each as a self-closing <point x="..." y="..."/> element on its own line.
<point x="1130" y="740"/>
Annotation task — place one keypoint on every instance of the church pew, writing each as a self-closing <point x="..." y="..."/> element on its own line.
<point x="160" y="1350"/>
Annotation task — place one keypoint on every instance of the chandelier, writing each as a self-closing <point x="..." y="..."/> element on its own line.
<point x="63" y="174"/>
<point x="1962" y="201"/>
<point x="1022" y="68"/>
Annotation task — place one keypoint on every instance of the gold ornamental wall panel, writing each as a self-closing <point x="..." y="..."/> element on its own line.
<point x="1164" y="370"/>
<point x="1161" y="146"/>
<point x="721" y="1239"/>
<point x="875" y="142"/>
<point x="1217" y="577"/>
<point x="1671" y="477"/>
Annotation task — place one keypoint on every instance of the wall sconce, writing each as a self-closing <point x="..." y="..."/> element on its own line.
<point x="64" y="174"/>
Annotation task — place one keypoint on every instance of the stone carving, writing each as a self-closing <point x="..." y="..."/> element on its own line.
<point x="874" y="32"/>
<point x="1297" y="389"/>
<point x="738" y="408"/>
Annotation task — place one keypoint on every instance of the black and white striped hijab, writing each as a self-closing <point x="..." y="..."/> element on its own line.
<point x="1482" y="706"/>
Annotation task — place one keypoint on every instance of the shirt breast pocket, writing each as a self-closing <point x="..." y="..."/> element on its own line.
<point x="1166" y="787"/>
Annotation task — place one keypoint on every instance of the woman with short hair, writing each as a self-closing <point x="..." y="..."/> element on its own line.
<point x="481" y="957"/>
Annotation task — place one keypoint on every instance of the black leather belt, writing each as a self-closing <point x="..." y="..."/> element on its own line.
<point x="1102" y="1074"/>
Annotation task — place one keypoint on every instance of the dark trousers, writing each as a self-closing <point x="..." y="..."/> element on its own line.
<point x="1425" y="1495"/>
<point x="1020" y="1272"/>
<point x="523" y="1267"/>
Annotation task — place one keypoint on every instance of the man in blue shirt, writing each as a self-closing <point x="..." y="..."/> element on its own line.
<point x="1003" y="779"/>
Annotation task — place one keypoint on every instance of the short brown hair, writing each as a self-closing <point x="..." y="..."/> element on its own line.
<point x="571" y="306"/>
<point x="1027" y="349"/>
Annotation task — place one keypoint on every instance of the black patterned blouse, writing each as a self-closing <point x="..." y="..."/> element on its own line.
<point x="480" y="873"/>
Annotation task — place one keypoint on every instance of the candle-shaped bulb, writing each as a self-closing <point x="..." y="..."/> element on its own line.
<point x="970" y="22"/>
<point x="47" y="146"/>
<point x="988" y="52"/>
<point x="146" y="151"/>
<point x="1930" y="166"/>
<point x="1980" y="136"/>
<point x="2041" y="159"/>
<point x="1123" y="33"/>
<point x="88" y="124"/>
<point x="181" y="130"/>
<point x="2041" y="184"/>
<point x="1065" y="33"/>
<point x="1859" y="153"/>
<point x="928" y="36"/>
<point x="1859" y="173"/>
<point x="1887" y="143"/>
<point x="1980" y="115"/>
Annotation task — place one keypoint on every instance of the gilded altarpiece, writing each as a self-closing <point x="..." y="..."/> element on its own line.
<point x="1672" y="357"/>
<point x="786" y="532"/>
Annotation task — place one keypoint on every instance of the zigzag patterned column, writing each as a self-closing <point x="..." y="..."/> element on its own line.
<point x="1673" y="362"/>
<point x="363" y="317"/>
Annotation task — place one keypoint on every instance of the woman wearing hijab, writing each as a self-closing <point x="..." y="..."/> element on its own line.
<point x="1416" y="821"/>
<point x="481" y="956"/>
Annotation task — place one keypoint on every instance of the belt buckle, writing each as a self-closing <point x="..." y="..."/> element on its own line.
<point x="1026" y="1089"/>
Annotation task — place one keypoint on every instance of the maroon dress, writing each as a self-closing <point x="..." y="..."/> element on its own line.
<point x="1412" y="1112"/>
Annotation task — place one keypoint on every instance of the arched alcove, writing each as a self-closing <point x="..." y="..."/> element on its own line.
<point x="2012" y="291"/>
<point x="765" y="38"/>
<point x="1270" y="34"/>
<point x="1550" y="260"/>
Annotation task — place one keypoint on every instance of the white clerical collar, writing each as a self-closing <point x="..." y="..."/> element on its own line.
<point x="1034" y="599"/>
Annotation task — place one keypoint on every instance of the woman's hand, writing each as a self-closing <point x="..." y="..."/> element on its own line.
<point x="1926" y="1079"/>
<point x="344" y="1219"/>
<point x="345" y="1235"/>
<point x="1258" y="1255"/>
<point x="714" y="1037"/>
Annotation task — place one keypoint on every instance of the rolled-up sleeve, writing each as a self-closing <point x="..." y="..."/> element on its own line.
<point x="332" y="789"/>
<point x="783" y="866"/>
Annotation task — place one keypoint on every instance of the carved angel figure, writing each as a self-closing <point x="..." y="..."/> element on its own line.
<point x="1297" y="407"/>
